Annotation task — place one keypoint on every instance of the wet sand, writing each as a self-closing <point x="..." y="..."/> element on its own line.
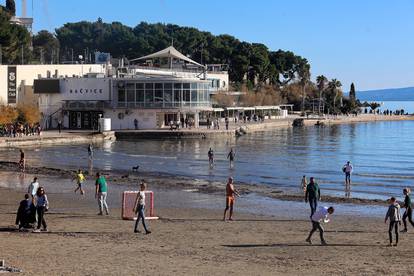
<point x="190" y="240"/>
<point x="203" y="186"/>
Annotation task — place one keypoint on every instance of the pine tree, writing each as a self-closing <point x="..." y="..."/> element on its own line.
<point x="352" y="96"/>
<point x="11" y="7"/>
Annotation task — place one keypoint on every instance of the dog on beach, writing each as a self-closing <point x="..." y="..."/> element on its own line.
<point x="135" y="169"/>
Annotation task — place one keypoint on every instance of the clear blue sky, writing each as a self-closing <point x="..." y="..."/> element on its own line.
<point x="369" y="42"/>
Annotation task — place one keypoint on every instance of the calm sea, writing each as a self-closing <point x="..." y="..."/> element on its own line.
<point x="381" y="153"/>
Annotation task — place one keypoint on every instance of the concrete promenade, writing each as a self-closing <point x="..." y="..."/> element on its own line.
<point x="53" y="137"/>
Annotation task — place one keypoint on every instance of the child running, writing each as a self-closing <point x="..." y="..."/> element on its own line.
<point x="394" y="215"/>
<point x="408" y="209"/>
<point x="42" y="206"/>
<point x="231" y="192"/>
<point x="139" y="208"/>
<point x="80" y="178"/>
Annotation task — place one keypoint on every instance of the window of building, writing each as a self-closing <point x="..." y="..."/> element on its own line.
<point x="158" y="95"/>
<point x="140" y="93"/>
<point x="121" y="95"/>
<point x="168" y="95"/>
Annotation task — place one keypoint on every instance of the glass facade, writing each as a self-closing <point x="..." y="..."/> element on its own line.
<point x="164" y="94"/>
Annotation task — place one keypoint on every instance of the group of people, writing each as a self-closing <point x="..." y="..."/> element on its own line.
<point x="32" y="209"/>
<point x="20" y="130"/>
<point x="230" y="156"/>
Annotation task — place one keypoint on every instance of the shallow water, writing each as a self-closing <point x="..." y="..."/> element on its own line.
<point x="381" y="153"/>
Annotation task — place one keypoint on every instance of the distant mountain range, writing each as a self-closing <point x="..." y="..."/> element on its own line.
<point x="393" y="94"/>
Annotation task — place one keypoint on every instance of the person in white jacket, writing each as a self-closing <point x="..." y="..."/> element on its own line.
<point x="317" y="218"/>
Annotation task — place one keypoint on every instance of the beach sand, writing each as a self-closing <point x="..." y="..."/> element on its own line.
<point x="194" y="241"/>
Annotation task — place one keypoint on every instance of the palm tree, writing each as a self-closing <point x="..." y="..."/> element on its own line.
<point x="304" y="74"/>
<point x="334" y="86"/>
<point x="321" y="81"/>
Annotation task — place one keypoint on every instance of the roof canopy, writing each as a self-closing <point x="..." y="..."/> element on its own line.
<point x="169" y="52"/>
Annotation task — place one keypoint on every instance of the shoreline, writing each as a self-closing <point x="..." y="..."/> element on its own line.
<point x="197" y="185"/>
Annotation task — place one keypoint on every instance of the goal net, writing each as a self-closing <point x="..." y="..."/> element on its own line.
<point x="128" y="202"/>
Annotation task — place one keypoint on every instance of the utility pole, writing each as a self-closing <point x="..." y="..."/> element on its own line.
<point x="72" y="54"/>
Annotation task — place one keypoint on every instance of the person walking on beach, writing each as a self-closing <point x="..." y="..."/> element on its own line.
<point x="231" y="156"/>
<point x="136" y="123"/>
<point x="322" y="215"/>
<point x="210" y="154"/>
<point x="60" y="126"/>
<point x="394" y="214"/>
<point x="231" y="194"/>
<point x="101" y="193"/>
<point x="22" y="162"/>
<point x="42" y="206"/>
<point x="80" y="178"/>
<point x="139" y="208"/>
<point x="303" y="184"/>
<point x="408" y="210"/>
<point x="90" y="151"/>
<point x="32" y="189"/>
<point x="347" y="169"/>
<point x="226" y="121"/>
<point x="313" y="195"/>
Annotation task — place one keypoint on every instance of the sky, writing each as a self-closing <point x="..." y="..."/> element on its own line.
<point x="368" y="42"/>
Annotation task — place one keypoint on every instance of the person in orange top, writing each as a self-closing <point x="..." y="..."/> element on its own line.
<point x="231" y="192"/>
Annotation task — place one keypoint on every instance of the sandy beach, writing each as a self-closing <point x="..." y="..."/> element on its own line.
<point x="190" y="240"/>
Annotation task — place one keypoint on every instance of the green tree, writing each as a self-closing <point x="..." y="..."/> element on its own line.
<point x="321" y="82"/>
<point x="14" y="40"/>
<point x="45" y="47"/>
<point x="334" y="87"/>
<point x="352" y="95"/>
<point x="11" y="7"/>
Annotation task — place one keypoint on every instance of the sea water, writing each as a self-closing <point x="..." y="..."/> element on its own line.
<point x="381" y="152"/>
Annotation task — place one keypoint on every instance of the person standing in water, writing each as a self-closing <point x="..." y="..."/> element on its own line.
<point x="139" y="208"/>
<point x="408" y="210"/>
<point x="231" y="194"/>
<point x="90" y="151"/>
<point x="231" y="156"/>
<point x="347" y="169"/>
<point x="210" y="154"/>
<point x="303" y="184"/>
<point x="22" y="162"/>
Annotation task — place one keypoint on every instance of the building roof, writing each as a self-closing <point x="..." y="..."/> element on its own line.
<point x="169" y="52"/>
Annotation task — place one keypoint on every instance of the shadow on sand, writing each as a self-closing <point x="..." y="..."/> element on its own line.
<point x="299" y="245"/>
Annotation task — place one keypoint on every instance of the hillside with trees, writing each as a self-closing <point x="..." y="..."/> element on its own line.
<point x="282" y="76"/>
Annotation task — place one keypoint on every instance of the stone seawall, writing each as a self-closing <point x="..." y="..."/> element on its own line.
<point x="53" y="139"/>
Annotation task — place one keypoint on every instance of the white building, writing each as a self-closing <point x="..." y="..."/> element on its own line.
<point x="147" y="95"/>
<point x="16" y="81"/>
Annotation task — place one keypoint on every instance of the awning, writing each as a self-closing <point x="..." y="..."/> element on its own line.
<point x="169" y="52"/>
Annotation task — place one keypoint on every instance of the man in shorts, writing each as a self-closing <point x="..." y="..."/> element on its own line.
<point x="231" y="193"/>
